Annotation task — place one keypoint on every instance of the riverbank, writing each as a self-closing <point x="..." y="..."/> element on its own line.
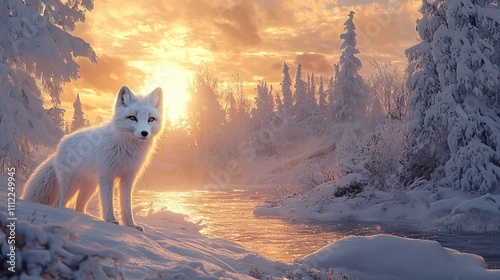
<point x="455" y="210"/>
<point x="172" y="246"/>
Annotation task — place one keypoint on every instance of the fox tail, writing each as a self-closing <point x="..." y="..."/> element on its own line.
<point x="42" y="186"/>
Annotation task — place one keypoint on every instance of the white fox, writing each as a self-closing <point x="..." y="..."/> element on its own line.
<point x="117" y="150"/>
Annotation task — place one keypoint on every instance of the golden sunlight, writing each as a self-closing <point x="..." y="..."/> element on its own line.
<point x="174" y="82"/>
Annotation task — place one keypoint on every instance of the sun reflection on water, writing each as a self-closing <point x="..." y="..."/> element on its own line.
<point x="228" y="215"/>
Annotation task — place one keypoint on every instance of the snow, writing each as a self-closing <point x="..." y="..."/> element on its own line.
<point x="459" y="212"/>
<point x="172" y="248"/>
<point x="390" y="257"/>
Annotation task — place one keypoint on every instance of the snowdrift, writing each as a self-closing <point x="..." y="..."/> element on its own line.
<point x="390" y="257"/>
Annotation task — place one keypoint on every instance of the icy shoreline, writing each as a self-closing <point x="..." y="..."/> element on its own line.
<point x="457" y="211"/>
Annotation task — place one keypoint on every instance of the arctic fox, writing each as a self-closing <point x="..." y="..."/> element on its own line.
<point x="100" y="155"/>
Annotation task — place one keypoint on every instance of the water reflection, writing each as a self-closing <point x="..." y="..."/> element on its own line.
<point x="227" y="214"/>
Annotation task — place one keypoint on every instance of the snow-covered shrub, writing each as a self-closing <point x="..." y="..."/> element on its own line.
<point x="352" y="155"/>
<point x="184" y="271"/>
<point x="52" y="252"/>
<point x="388" y="143"/>
<point x="300" y="271"/>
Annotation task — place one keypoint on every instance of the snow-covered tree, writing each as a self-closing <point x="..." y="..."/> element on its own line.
<point x="286" y="90"/>
<point x="301" y="106"/>
<point x="36" y="48"/>
<point x="279" y="104"/>
<point x="79" y="120"/>
<point x="387" y="85"/>
<point x="205" y="112"/>
<point x="230" y="107"/>
<point x="237" y="105"/>
<point x="454" y="124"/>
<point x="331" y="96"/>
<point x="349" y="90"/>
<point x="322" y="96"/>
<point x="56" y="114"/>
<point x="311" y="95"/>
<point x="264" y="104"/>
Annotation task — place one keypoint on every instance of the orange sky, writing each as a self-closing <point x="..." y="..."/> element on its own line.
<point x="150" y="43"/>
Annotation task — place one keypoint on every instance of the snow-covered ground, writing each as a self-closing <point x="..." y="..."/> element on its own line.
<point x="456" y="210"/>
<point x="173" y="248"/>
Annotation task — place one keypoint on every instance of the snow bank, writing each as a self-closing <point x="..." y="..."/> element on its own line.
<point x="456" y="210"/>
<point x="321" y="204"/>
<point x="481" y="214"/>
<point x="51" y="251"/>
<point x="390" y="257"/>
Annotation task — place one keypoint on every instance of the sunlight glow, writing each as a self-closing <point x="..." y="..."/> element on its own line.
<point x="174" y="82"/>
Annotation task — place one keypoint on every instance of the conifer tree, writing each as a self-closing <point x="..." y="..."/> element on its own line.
<point x="349" y="91"/>
<point x="454" y="123"/>
<point x="37" y="56"/>
<point x="286" y="90"/>
<point x="322" y="96"/>
<point x="79" y="120"/>
<point x="301" y="107"/>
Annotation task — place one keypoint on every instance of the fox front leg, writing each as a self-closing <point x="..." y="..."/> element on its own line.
<point x="106" y="192"/>
<point x="126" y="185"/>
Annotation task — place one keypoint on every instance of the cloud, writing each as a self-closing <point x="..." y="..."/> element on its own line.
<point x="314" y="62"/>
<point x="109" y="74"/>
<point x="253" y="37"/>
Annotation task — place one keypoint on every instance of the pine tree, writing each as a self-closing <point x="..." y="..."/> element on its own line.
<point x="349" y="90"/>
<point x="301" y="107"/>
<point x="79" y="120"/>
<point x="286" y="90"/>
<point x="454" y="124"/>
<point x="322" y="96"/>
<point x="279" y="104"/>
<point x="56" y="114"/>
<point x="264" y="103"/>
<point x="331" y="97"/>
<point x="37" y="56"/>
<point x="312" y="92"/>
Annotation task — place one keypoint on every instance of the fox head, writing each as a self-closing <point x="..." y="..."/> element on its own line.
<point x="138" y="116"/>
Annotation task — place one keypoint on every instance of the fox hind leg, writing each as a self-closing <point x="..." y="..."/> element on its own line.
<point x="87" y="190"/>
<point x="67" y="190"/>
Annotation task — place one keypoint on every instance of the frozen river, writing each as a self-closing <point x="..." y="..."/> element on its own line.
<point x="228" y="214"/>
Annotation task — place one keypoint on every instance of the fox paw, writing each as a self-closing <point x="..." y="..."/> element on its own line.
<point x="113" y="221"/>
<point x="137" y="227"/>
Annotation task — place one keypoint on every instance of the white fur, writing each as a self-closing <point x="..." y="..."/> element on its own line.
<point x="117" y="150"/>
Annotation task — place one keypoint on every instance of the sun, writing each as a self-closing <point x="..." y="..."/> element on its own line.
<point x="174" y="82"/>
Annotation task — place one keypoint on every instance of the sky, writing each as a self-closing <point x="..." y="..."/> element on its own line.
<point x="152" y="43"/>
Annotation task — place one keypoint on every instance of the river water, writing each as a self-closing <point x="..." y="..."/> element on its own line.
<point x="228" y="214"/>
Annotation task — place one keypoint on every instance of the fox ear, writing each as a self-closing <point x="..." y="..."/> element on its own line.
<point x="156" y="98"/>
<point x="124" y="98"/>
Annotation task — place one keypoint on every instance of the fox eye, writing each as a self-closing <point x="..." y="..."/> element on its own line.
<point x="151" y="119"/>
<point x="132" y="118"/>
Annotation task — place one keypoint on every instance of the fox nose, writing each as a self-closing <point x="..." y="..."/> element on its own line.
<point x="144" y="133"/>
